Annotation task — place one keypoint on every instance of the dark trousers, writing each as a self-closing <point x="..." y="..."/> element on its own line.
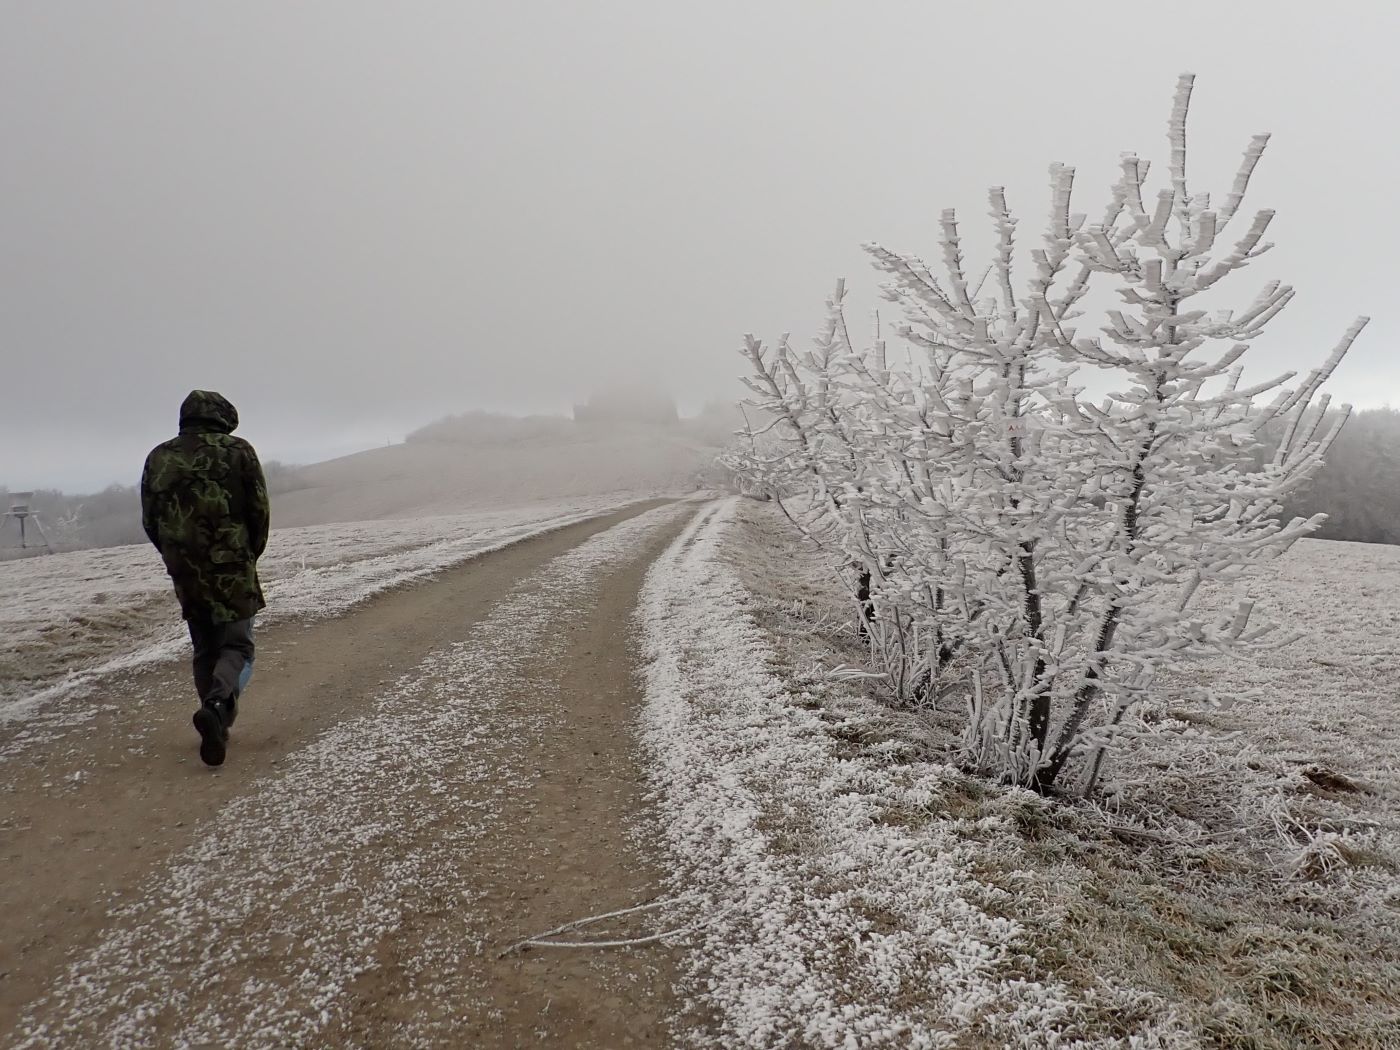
<point x="223" y="661"/>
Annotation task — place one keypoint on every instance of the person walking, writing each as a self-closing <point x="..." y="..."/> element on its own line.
<point x="204" y="505"/>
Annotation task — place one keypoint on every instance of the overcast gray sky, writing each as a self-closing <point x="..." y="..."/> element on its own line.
<point x="351" y="218"/>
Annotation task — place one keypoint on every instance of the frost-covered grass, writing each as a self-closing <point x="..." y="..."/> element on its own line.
<point x="69" y="619"/>
<point x="1228" y="891"/>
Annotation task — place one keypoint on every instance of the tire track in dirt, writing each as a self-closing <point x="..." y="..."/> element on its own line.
<point x="170" y="804"/>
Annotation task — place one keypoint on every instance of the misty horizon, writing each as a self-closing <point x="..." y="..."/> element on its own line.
<point x="353" y="220"/>
<point x="289" y="448"/>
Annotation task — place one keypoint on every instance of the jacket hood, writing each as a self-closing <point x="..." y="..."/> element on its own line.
<point x="207" y="409"/>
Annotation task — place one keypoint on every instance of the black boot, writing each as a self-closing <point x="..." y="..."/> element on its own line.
<point x="209" y="720"/>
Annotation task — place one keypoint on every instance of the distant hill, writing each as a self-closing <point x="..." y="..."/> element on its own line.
<point x="628" y="404"/>
<point x="621" y="444"/>
<point x="479" y="459"/>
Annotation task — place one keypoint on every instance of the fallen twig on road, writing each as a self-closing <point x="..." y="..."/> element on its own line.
<point x="538" y="939"/>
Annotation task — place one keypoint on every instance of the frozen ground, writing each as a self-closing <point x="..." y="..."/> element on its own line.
<point x="67" y="620"/>
<point x="1236" y="887"/>
<point x="839" y="884"/>
<point x="361" y="863"/>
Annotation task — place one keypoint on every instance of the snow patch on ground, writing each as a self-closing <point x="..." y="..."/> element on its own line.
<point x="255" y="937"/>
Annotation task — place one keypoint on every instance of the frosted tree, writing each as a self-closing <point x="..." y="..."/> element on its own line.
<point x="1044" y="547"/>
<point x="807" y="442"/>
<point x="1174" y="451"/>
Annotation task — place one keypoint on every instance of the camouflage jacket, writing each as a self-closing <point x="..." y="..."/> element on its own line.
<point x="204" y="506"/>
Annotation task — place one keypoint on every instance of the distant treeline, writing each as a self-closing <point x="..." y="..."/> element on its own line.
<point x="108" y="518"/>
<point x="1359" y="486"/>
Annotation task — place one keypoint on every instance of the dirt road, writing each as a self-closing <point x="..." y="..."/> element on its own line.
<point x="410" y="788"/>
